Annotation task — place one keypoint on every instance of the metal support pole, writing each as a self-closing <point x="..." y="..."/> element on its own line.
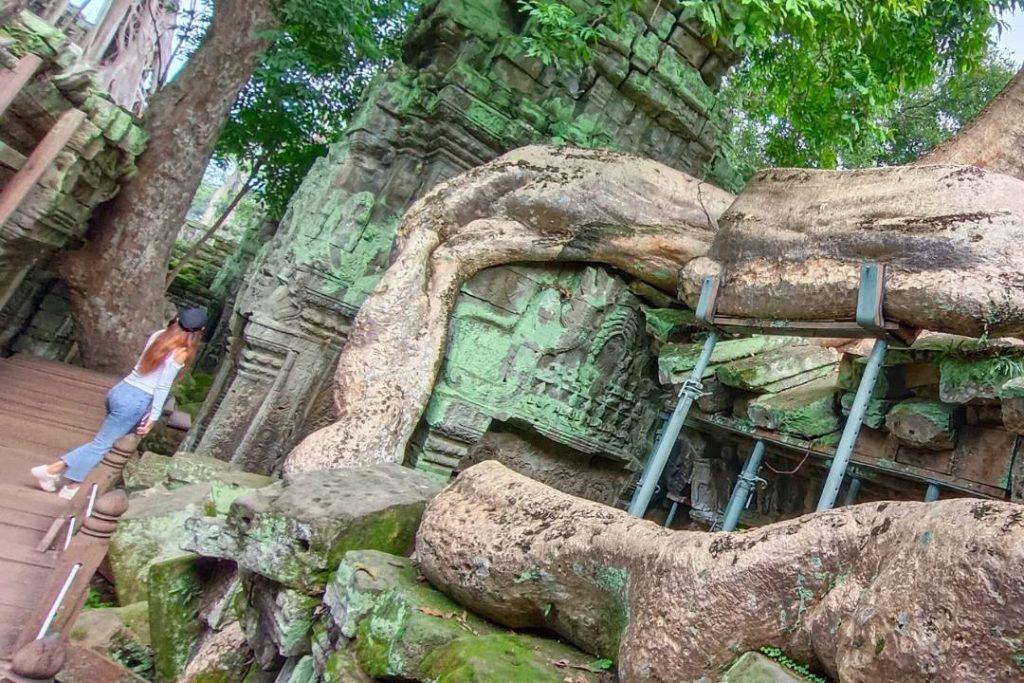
<point x="671" y="514"/>
<point x="744" y="485"/>
<point x="852" y="427"/>
<point x="689" y="393"/>
<point x="852" y="491"/>
<point x="932" y="494"/>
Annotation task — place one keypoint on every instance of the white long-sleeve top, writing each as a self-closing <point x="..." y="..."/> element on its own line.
<point x="156" y="383"/>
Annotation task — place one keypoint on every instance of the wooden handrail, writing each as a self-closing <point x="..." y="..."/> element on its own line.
<point x="105" y="476"/>
<point x="13" y="80"/>
<point x="68" y="586"/>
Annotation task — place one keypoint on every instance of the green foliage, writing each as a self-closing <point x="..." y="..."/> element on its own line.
<point x="132" y="655"/>
<point x="560" y="35"/>
<point x="822" y="76"/>
<point x="776" y="654"/>
<point x="190" y="391"/>
<point x="95" y="600"/>
<point x="822" y="83"/>
<point x="916" y="122"/>
<point x="583" y="132"/>
<point x="308" y="84"/>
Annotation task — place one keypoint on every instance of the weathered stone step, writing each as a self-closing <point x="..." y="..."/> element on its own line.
<point x="776" y="366"/>
<point x="807" y="410"/>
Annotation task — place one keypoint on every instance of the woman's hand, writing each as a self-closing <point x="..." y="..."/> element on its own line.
<point x="144" y="426"/>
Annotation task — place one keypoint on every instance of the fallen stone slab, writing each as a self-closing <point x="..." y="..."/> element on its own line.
<point x="296" y="531"/>
<point x="221" y="656"/>
<point x="675" y="361"/>
<point x="873" y="592"/>
<point x="776" y="366"/>
<point x="509" y="658"/>
<point x="277" y="621"/>
<point x="793" y="242"/>
<point x="754" y="667"/>
<point x="923" y="423"/>
<point x="153" y="469"/>
<point x="808" y="410"/>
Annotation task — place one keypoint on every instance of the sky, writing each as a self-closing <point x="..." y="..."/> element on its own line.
<point x="1012" y="39"/>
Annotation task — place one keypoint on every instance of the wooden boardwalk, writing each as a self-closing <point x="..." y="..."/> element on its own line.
<point x="46" y="408"/>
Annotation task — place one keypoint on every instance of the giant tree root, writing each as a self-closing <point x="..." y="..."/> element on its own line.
<point x="533" y="204"/>
<point x="791" y="247"/>
<point x="875" y="592"/>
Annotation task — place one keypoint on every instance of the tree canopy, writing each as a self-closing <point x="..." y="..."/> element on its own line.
<point x="308" y="83"/>
<point x="821" y="79"/>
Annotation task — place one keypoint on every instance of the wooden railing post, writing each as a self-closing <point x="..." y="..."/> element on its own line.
<point x="13" y="80"/>
<point x="17" y="188"/>
<point x="69" y="583"/>
<point x="38" y="660"/>
<point x="106" y="475"/>
<point x="117" y="457"/>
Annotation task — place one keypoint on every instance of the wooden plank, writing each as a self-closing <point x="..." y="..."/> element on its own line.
<point x="38" y="162"/>
<point x="13" y="80"/>
<point x="26" y="555"/>
<point x="35" y="371"/>
<point x="53" y="367"/>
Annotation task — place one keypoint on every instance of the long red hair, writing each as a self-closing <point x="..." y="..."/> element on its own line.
<point x="170" y="339"/>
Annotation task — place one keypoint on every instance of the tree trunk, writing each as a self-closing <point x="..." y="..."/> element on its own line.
<point x="11" y="9"/>
<point x="116" y="280"/>
<point x="994" y="140"/>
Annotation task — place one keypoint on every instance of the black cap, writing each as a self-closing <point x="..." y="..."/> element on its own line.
<point x="192" y="319"/>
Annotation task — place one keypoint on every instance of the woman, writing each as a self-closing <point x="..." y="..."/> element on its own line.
<point x="136" y="402"/>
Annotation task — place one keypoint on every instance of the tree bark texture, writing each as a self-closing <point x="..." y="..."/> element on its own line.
<point x="890" y="591"/>
<point x="792" y="244"/>
<point x="532" y="204"/>
<point x="116" y="280"/>
<point x="789" y="247"/>
<point x="994" y="140"/>
<point x="11" y="9"/>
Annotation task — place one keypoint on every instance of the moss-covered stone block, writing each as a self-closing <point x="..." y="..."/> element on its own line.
<point x="776" y="365"/>
<point x="874" y="416"/>
<point x="509" y="658"/>
<point x="152" y="530"/>
<point x="405" y="624"/>
<point x="109" y="630"/>
<point x="277" y="620"/>
<point x="675" y="361"/>
<point x="665" y="323"/>
<point x="923" y="423"/>
<point x="964" y="378"/>
<point x="175" y="588"/>
<point x="807" y="411"/>
<point x="295" y="532"/>
<point x="341" y="667"/>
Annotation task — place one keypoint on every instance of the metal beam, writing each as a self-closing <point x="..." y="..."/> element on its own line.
<point x="852" y="427"/>
<point x="691" y="390"/>
<point x="744" y="485"/>
<point x="852" y="490"/>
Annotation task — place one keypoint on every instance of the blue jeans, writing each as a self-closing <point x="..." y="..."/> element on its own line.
<point x="126" y="406"/>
